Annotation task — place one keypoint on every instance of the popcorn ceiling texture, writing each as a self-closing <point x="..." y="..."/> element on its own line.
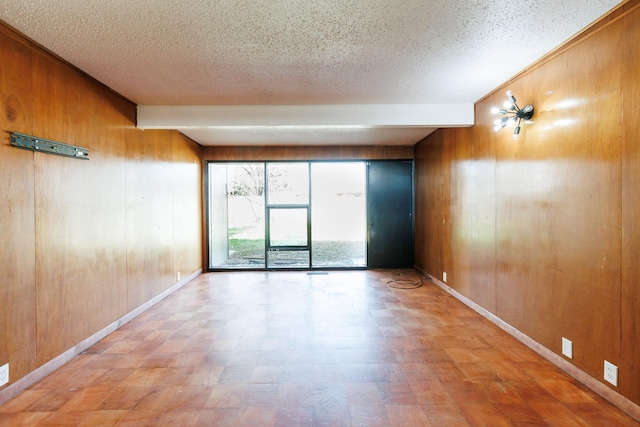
<point x="300" y="51"/>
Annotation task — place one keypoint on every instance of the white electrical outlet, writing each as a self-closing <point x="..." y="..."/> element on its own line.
<point x="178" y="276"/>
<point x="567" y="348"/>
<point x="444" y="276"/>
<point x="4" y="374"/>
<point x="611" y="373"/>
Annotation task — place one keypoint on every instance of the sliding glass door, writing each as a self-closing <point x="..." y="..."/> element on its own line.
<point x="284" y="215"/>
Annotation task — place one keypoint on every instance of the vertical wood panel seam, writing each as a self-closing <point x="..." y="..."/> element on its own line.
<point x="174" y="159"/>
<point x="495" y="225"/>
<point x="36" y="312"/>
<point x="625" y="18"/>
<point x="623" y="141"/>
<point x="127" y="282"/>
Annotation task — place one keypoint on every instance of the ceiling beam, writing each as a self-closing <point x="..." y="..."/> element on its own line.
<point x="305" y="116"/>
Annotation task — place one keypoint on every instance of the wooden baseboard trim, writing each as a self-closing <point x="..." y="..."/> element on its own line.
<point x="38" y="374"/>
<point x="601" y="389"/>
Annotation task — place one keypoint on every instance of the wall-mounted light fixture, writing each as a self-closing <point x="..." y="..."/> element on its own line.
<point x="512" y="113"/>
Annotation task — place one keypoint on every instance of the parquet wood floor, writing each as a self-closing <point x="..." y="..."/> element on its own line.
<point x="293" y="349"/>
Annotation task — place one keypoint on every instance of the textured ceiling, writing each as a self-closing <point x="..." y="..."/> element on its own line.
<point x="302" y="52"/>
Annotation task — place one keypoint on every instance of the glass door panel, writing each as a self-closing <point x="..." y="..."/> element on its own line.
<point x="288" y="183"/>
<point x="236" y="215"/>
<point x="288" y="227"/>
<point x="218" y="215"/>
<point x="338" y="214"/>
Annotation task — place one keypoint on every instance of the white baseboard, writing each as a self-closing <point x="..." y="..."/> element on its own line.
<point x="36" y="375"/>
<point x="601" y="389"/>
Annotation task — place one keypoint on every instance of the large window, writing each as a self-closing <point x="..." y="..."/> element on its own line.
<point x="287" y="215"/>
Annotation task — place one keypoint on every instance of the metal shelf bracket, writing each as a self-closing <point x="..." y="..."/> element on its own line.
<point x="33" y="143"/>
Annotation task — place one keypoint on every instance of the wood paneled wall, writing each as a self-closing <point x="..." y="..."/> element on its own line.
<point x="308" y="153"/>
<point x="84" y="242"/>
<point x="17" y="211"/>
<point x="630" y="289"/>
<point x="542" y="230"/>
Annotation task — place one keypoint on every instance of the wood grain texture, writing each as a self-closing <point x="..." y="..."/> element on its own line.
<point x="562" y="199"/>
<point x="308" y="153"/>
<point x="629" y="368"/>
<point x="559" y="204"/>
<point x="149" y="176"/>
<point x="84" y="242"/>
<point x="188" y="230"/>
<point x="431" y="189"/>
<point x="473" y="224"/>
<point x="80" y="209"/>
<point x="17" y="244"/>
<point x="433" y="200"/>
